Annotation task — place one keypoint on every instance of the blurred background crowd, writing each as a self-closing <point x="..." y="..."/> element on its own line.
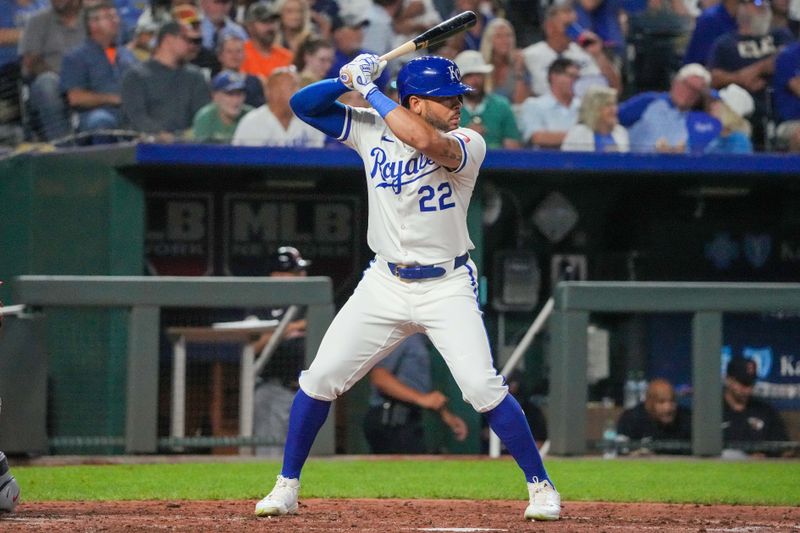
<point x="668" y="76"/>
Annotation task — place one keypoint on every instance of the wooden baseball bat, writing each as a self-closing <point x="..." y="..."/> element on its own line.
<point x="437" y="34"/>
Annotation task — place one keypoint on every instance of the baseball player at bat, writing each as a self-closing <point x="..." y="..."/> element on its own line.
<point x="421" y="169"/>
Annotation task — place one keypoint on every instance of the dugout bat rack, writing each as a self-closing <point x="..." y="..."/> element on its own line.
<point x="144" y="296"/>
<point x="567" y="355"/>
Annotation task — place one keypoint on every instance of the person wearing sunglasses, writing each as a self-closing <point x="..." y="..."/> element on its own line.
<point x="161" y="96"/>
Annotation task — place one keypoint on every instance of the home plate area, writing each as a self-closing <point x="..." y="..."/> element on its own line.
<point x="389" y="516"/>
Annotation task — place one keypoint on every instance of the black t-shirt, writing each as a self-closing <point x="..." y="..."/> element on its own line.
<point x="636" y="424"/>
<point x="759" y="421"/>
<point x="288" y="360"/>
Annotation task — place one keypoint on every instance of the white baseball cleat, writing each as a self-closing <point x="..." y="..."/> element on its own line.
<point x="545" y="501"/>
<point x="282" y="500"/>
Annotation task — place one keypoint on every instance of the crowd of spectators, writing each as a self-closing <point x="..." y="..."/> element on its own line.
<point x="668" y="76"/>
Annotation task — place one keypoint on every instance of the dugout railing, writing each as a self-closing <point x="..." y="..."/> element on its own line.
<point x="575" y="301"/>
<point x="143" y="297"/>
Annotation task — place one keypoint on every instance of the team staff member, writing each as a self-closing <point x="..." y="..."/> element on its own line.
<point x="658" y="418"/>
<point x="421" y="169"/>
<point x="277" y="383"/>
<point x="746" y="419"/>
<point x="400" y="388"/>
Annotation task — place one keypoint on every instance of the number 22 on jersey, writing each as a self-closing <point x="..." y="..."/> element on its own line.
<point x="431" y="201"/>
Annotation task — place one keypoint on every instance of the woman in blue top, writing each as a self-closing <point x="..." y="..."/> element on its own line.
<point x="731" y="108"/>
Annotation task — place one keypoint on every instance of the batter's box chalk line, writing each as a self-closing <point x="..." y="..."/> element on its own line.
<point x="458" y="529"/>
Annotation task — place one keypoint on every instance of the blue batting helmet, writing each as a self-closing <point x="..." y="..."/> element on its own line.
<point x="430" y="76"/>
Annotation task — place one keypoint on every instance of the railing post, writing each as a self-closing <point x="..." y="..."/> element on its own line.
<point x="141" y="418"/>
<point x="567" y="361"/>
<point x="706" y="384"/>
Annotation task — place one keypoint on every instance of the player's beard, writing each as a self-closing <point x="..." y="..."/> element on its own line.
<point x="436" y="122"/>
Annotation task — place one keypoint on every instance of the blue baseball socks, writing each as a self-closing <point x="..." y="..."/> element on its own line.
<point x="508" y="421"/>
<point x="305" y="420"/>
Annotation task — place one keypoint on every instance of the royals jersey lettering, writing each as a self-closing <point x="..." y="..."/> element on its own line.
<point x="417" y="208"/>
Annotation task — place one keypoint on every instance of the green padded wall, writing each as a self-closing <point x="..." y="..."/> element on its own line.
<point x="70" y="212"/>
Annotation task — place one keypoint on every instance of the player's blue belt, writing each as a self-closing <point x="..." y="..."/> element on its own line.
<point x="424" y="271"/>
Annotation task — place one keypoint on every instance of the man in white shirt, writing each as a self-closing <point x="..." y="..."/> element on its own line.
<point x="544" y="120"/>
<point x="274" y="123"/>
<point x="595" y="67"/>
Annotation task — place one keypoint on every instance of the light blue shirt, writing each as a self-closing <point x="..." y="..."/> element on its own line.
<point x="208" y="31"/>
<point x="735" y="143"/>
<point x="545" y="113"/>
<point x="660" y="119"/>
<point x="412" y="362"/>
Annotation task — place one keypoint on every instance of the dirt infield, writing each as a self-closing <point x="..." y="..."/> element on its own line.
<point x="390" y="516"/>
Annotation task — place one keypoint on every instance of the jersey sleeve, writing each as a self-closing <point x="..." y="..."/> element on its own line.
<point x="473" y="151"/>
<point x="360" y="127"/>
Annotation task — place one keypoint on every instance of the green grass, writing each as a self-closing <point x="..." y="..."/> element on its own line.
<point x="690" y="481"/>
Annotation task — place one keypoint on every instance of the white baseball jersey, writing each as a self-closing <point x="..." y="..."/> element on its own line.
<point x="417" y="215"/>
<point x="417" y="208"/>
<point x="260" y="127"/>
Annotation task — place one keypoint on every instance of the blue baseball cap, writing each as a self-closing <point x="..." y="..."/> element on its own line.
<point x="228" y="81"/>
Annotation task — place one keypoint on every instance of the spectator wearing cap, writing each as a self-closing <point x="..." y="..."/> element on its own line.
<point x="732" y="108"/>
<point x="277" y="383"/>
<point x="745" y="419"/>
<point x="660" y="121"/>
<point x="230" y="53"/>
<point x="190" y="17"/>
<point x="217" y="121"/>
<point x="713" y="22"/>
<point x="141" y="44"/>
<point x="593" y="65"/>
<point x="598" y="129"/>
<point x="91" y="74"/>
<point x="483" y="111"/>
<point x="262" y="54"/>
<point x="746" y="57"/>
<point x="348" y="38"/>
<point x="216" y="22"/>
<point x="161" y="96"/>
<point x="160" y="11"/>
<point x="544" y="120"/>
<point x="275" y="124"/>
<point x="47" y="36"/>
<point x="786" y="87"/>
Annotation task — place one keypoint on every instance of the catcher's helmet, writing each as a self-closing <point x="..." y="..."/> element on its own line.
<point x="288" y="259"/>
<point x="430" y="76"/>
